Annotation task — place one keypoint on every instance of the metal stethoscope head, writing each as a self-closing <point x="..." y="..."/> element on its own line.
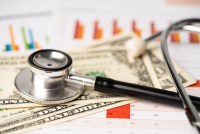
<point x="45" y="79"/>
<point x="49" y="79"/>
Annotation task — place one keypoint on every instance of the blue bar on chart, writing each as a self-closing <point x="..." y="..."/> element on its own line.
<point x="31" y="44"/>
<point x="8" y="47"/>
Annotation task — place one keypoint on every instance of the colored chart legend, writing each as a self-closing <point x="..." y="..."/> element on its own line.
<point x="79" y="30"/>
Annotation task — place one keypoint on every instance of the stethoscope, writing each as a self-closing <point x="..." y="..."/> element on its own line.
<point x="49" y="80"/>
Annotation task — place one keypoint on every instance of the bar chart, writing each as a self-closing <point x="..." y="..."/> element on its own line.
<point x="193" y="38"/>
<point x="116" y="28"/>
<point x="27" y="43"/>
<point x="79" y="30"/>
<point x="136" y="30"/>
<point x="100" y="21"/>
<point x="28" y="33"/>
<point x="98" y="31"/>
<point x="11" y="46"/>
<point x="75" y="26"/>
<point x="32" y="44"/>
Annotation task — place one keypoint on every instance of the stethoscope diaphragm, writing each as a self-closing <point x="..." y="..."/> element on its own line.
<point x="44" y="81"/>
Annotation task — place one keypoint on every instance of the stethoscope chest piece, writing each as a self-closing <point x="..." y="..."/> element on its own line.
<point x="44" y="81"/>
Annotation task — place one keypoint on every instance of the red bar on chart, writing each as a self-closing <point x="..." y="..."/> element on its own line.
<point x="79" y="29"/>
<point x="98" y="32"/>
<point x="15" y="47"/>
<point x="135" y="29"/>
<point x="175" y="37"/>
<point x="194" y="37"/>
<point x="116" y="28"/>
<point x="119" y="112"/>
<point x="197" y="84"/>
<point x="153" y="29"/>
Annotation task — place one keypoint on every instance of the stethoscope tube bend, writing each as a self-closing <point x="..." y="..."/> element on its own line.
<point x="191" y="111"/>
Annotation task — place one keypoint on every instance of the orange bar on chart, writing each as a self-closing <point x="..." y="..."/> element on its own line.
<point x="135" y="29"/>
<point x="98" y="32"/>
<point x="116" y="28"/>
<point x="79" y="29"/>
<point x="37" y="45"/>
<point x="153" y="28"/>
<point x="14" y="46"/>
<point x="197" y="84"/>
<point x="119" y="112"/>
<point x="175" y="37"/>
<point x="194" y="37"/>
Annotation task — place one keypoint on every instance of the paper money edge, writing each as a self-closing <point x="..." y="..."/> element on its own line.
<point x="16" y="130"/>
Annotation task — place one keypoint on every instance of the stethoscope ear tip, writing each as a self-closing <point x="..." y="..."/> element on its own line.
<point x="136" y="47"/>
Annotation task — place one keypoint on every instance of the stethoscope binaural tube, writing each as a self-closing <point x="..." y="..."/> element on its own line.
<point x="191" y="111"/>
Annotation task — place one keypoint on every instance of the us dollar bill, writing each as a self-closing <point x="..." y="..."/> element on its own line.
<point x="26" y="123"/>
<point x="83" y="99"/>
<point x="162" y="82"/>
<point x="85" y="63"/>
<point x="10" y="118"/>
<point x="90" y="61"/>
<point x="96" y="64"/>
<point x="118" y="65"/>
<point x="9" y="99"/>
<point x="162" y="73"/>
<point x="147" y="70"/>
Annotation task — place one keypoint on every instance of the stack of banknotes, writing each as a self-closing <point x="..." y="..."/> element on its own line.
<point x="107" y="58"/>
